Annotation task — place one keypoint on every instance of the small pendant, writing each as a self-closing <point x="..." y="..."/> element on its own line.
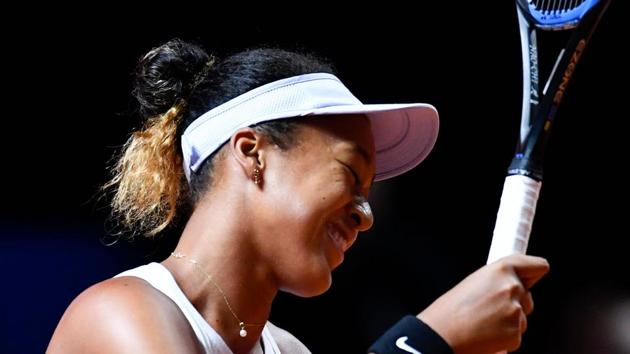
<point x="243" y="332"/>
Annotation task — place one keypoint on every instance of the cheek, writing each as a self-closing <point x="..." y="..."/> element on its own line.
<point x="305" y="201"/>
<point x="298" y="207"/>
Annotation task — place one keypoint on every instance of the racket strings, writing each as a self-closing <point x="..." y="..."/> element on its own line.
<point x="550" y="7"/>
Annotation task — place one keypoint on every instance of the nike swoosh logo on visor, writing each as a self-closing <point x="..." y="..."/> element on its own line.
<point x="401" y="343"/>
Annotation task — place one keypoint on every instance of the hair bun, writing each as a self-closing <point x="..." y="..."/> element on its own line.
<point x="168" y="73"/>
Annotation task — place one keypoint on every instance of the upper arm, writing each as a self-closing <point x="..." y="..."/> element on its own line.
<point x="123" y="315"/>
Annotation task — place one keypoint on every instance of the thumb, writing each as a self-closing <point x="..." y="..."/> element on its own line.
<point x="529" y="269"/>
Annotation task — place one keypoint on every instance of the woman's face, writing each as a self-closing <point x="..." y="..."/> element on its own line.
<point x="310" y="216"/>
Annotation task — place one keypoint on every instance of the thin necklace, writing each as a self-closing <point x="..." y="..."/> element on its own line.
<point x="241" y="324"/>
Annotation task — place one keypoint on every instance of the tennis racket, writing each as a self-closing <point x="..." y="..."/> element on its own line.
<point x="524" y="176"/>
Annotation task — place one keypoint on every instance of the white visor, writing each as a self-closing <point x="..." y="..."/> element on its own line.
<point x="404" y="134"/>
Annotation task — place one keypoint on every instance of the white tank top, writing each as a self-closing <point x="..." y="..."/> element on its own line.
<point x="161" y="279"/>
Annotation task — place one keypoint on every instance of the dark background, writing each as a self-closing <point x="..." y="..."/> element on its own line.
<point x="67" y="109"/>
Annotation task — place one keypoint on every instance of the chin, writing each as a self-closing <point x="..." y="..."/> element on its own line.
<point x="316" y="286"/>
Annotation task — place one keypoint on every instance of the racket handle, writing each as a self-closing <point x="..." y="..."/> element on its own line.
<point x="515" y="217"/>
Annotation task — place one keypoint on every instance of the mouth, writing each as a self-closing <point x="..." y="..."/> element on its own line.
<point x="342" y="238"/>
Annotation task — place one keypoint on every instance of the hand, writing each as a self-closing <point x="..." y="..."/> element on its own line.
<point x="486" y="312"/>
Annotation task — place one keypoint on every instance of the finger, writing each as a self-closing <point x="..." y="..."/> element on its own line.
<point x="527" y="303"/>
<point x="529" y="269"/>
<point x="517" y="290"/>
<point x="516" y="337"/>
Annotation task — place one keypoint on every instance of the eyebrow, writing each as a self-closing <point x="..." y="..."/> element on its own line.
<point x="361" y="151"/>
<point x="366" y="156"/>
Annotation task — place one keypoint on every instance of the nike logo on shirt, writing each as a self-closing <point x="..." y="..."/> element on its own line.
<point x="402" y="344"/>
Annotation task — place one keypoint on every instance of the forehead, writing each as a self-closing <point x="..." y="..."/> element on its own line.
<point x="352" y="130"/>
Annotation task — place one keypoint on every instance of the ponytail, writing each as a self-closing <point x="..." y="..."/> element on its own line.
<point x="148" y="179"/>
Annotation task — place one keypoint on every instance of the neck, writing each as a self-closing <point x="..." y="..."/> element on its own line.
<point x="225" y="252"/>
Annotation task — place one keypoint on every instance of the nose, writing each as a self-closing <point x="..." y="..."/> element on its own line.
<point x="361" y="214"/>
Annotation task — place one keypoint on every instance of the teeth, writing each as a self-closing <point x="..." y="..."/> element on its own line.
<point x="337" y="237"/>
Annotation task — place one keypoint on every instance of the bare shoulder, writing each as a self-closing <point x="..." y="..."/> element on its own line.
<point x="123" y="315"/>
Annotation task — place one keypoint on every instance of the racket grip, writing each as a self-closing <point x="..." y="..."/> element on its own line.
<point x="515" y="216"/>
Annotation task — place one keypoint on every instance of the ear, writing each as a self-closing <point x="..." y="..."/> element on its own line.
<point x="247" y="146"/>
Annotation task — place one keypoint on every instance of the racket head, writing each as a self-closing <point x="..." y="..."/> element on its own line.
<point x="555" y="14"/>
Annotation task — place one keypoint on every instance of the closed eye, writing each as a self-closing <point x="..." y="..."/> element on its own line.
<point x="357" y="181"/>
